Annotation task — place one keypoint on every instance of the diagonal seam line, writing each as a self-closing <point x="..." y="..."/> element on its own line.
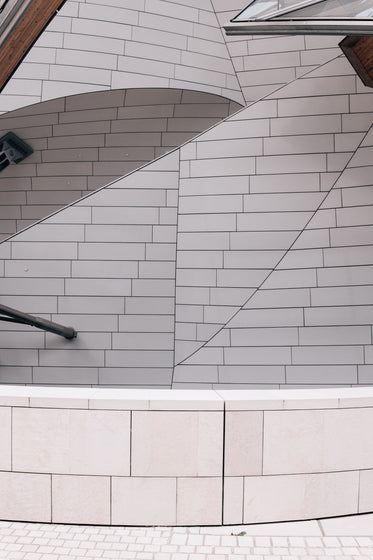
<point x="143" y="167"/>
<point x="286" y="252"/>
<point x="264" y="97"/>
<point x="176" y="246"/>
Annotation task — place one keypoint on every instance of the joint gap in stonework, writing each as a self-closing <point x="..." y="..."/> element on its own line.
<point x="131" y="412"/>
<point x="51" y="495"/>
<point x="175" y="269"/>
<point x="11" y="433"/>
<point x="111" y="499"/>
<point x="243" y="501"/>
<point x="223" y="468"/>
<point x="320" y="527"/>
<point x="263" y="418"/>
<point x="358" y="493"/>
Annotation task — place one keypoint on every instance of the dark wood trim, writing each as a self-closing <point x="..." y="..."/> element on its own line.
<point x="24" y="34"/>
<point x="359" y="52"/>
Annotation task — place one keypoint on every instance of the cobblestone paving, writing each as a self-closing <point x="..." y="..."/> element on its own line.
<point x="36" y="541"/>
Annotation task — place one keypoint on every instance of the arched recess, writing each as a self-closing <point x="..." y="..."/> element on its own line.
<point x="83" y="142"/>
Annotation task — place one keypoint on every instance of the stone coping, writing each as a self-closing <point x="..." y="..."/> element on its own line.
<point x="184" y="399"/>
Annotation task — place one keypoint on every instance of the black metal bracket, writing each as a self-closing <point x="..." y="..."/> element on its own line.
<point x="14" y="316"/>
<point x="12" y="150"/>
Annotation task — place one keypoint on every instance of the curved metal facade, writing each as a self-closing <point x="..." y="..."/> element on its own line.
<point x="241" y="258"/>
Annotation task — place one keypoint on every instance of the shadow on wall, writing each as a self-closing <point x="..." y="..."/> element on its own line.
<point x="84" y="142"/>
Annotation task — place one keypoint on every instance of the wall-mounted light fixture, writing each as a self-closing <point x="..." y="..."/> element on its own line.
<point x="12" y="150"/>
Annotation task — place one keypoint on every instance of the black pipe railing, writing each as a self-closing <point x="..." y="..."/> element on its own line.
<point x="14" y="316"/>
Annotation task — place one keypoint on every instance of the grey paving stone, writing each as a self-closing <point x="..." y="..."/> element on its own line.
<point x="349" y="538"/>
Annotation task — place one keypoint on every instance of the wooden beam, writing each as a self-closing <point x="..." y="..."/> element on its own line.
<point x="24" y="34"/>
<point x="359" y="52"/>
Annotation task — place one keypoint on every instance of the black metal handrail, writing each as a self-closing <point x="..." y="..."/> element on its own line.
<point x="14" y="316"/>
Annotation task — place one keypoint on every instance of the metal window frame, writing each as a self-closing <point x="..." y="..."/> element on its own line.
<point x="269" y="24"/>
<point x="301" y="4"/>
<point x="302" y="27"/>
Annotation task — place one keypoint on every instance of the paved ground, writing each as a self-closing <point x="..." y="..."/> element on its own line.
<point x="344" y="538"/>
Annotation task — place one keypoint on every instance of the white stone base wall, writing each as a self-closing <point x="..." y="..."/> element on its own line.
<point x="153" y="457"/>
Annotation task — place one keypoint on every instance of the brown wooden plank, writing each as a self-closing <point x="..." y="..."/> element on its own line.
<point x="24" y="34"/>
<point x="359" y="52"/>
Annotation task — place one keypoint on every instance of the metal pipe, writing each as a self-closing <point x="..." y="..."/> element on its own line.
<point x="301" y="27"/>
<point x="38" y="322"/>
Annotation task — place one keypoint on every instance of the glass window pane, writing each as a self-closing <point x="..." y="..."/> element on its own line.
<point x="333" y="9"/>
<point x="259" y="8"/>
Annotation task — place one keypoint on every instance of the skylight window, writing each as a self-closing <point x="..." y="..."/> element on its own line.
<point x="321" y="17"/>
<point x="333" y="9"/>
<point x="258" y="9"/>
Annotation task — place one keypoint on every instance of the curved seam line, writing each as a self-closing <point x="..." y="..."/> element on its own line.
<point x="286" y="252"/>
<point x="228" y="52"/>
<point x="141" y="168"/>
<point x="268" y="95"/>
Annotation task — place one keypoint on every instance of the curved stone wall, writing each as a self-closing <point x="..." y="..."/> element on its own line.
<point x="183" y="458"/>
<point x="241" y="259"/>
<point x="96" y="46"/>
<point x="303" y="319"/>
<point x="311" y="315"/>
<point x="265" y="63"/>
